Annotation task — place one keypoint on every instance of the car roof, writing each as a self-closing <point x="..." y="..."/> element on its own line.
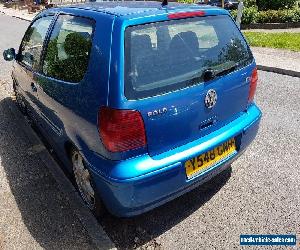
<point x="141" y="8"/>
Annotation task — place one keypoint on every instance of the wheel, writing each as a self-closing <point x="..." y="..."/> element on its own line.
<point x="85" y="184"/>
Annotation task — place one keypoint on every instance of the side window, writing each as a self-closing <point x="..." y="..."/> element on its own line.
<point x="69" y="48"/>
<point x="32" y="44"/>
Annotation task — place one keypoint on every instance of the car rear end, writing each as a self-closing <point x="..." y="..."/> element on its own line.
<point x="180" y="106"/>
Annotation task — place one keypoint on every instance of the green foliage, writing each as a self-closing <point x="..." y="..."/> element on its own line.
<point x="249" y="15"/>
<point x="275" y="4"/>
<point x="293" y="15"/>
<point x="249" y="3"/>
<point x="279" y="16"/>
<point x="233" y="14"/>
<point x="72" y="64"/>
<point x="252" y="15"/>
<point x="289" y="41"/>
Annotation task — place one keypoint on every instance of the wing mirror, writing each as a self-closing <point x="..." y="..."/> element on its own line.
<point x="9" y="54"/>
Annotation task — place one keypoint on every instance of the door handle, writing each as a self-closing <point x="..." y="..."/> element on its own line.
<point x="33" y="87"/>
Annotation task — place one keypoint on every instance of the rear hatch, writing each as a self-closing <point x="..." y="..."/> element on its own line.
<point x="187" y="77"/>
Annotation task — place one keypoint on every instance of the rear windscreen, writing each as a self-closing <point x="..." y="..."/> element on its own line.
<point x="166" y="56"/>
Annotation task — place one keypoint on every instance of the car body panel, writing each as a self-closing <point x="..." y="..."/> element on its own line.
<point x="62" y="103"/>
<point x="23" y="77"/>
<point x="185" y="107"/>
<point x="150" y="181"/>
<point x="145" y="164"/>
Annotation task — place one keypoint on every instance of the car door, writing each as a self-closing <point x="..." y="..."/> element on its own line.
<point x="28" y="63"/>
<point x="62" y="80"/>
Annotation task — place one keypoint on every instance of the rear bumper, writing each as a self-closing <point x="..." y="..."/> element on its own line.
<point x="140" y="184"/>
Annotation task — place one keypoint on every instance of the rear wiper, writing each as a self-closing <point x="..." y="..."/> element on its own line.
<point x="210" y="74"/>
<point x="226" y="71"/>
<point x="205" y="75"/>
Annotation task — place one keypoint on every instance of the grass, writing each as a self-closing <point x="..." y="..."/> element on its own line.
<point x="283" y="40"/>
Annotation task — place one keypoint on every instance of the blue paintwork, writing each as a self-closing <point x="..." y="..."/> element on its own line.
<point x="137" y="185"/>
<point x="133" y="182"/>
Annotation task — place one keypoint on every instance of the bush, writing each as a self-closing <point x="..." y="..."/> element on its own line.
<point x="233" y="14"/>
<point x="249" y="15"/>
<point x="278" y="16"/>
<point x="250" y="3"/>
<point x="270" y="16"/>
<point x="252" y="15"/>
<point x="294" y="15"/>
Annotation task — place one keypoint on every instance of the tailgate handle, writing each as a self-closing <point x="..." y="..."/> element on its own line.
<point x="208" y="123"/>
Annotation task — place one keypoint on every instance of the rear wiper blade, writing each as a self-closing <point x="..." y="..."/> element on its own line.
<point x="226" y="71"/>
<point x="210" y="74"/>
<point x="205" y="75"/>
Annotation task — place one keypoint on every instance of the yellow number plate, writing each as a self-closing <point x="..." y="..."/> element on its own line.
<point x="202" y="162"/>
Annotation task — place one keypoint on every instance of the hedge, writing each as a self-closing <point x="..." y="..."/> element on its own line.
<point x="252" y="15"/>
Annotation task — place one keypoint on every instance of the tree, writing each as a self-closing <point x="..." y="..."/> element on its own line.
<point x="275" y="4"/>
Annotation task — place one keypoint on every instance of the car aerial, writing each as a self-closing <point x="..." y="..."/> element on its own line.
<point x="140" y="101"/>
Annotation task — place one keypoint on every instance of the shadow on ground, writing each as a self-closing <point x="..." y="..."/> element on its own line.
<point x="46" y="214"/>
<point x="44" y="209"/>
<point x="128" y="233"/>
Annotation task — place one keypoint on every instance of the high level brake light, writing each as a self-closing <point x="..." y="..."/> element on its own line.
<point x="179" y="15"/>
<point x="121" y="130"/>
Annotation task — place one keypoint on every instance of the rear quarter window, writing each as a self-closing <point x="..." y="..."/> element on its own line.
<point x="166" y="56"/>
<point x="68" y="52"/>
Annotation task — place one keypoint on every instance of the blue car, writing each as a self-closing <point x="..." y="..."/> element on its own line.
<point x="141" y="101"/>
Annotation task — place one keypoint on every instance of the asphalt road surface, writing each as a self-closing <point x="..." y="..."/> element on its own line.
<point x="261" y="195"/>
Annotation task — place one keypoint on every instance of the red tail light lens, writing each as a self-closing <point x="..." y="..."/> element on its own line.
<point x="121" y="130"/>
<point x="186" y="14"/>
<point x="253" y="84"/>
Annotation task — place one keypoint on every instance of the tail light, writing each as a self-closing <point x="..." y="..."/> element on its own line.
<point x="253" y="84"/>
<point x="121" y="130"/>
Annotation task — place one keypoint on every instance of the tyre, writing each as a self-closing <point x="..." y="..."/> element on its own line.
<point x="85" y="185"/>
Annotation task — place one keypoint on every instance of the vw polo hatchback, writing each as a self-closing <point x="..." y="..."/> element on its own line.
<point x="141" y="102"/>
